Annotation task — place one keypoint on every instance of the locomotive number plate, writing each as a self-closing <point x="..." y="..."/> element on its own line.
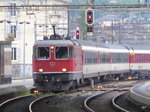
<point x="52" y="64"/>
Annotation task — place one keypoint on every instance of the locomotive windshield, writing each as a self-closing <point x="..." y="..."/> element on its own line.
<point x="43" y="53"/>
<point x="61" y="52"/>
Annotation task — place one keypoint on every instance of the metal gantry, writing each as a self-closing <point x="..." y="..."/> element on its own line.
<point x="113" y="8"/>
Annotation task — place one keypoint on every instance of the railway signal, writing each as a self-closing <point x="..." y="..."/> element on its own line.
<point x="77" y="34"/>
<point x="89" y="28"/>
<point x="89" y="17"/>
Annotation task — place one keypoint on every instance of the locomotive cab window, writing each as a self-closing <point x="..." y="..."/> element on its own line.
<point x="61" y="52"/>
<point x="43" y="53"/>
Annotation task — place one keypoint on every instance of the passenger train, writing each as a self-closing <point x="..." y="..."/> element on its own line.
<point x="60" y="65"/>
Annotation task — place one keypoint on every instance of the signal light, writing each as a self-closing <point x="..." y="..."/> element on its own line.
<point x="77" y="34"/>
<point x="89" y="16"/>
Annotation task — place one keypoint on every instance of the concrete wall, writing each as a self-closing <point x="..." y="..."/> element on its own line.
<point x="17" y="70"/>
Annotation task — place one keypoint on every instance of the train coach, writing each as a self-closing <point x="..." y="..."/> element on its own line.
<point x="139" y="59"/>
<point x="60" y="65"/>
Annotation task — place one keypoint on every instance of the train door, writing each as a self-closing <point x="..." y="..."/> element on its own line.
<point x="131" y="59"/>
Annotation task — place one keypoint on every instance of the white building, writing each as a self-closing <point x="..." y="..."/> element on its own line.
<point x="27" y="25"/>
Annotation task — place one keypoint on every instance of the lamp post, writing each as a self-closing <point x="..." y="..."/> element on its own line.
<point x="5" y="21"/>
<point x="24" y="44"/>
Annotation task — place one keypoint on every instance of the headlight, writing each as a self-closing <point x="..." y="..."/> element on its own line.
<point x="52" y="47"/>
<point x="40" y="70"/>
<point x="64" y="70"/>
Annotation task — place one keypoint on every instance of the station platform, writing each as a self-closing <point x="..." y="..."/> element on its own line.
<point x="141" y="93"/>
<point x="16" y="85"/>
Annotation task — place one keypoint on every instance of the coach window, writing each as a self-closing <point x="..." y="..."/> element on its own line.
<point x="89" y="60"/>
<point x="103" y="58"/>
<point x="107" y="58"/>
<point x="94" y="60"/>
<point x="43" y="53"/>
<point x="61" y="52"/>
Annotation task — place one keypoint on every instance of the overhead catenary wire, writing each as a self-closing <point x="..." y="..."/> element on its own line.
<point x="114" y="8"/>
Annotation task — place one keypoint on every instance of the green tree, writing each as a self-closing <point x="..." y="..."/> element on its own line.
<point x="82" y="24"/>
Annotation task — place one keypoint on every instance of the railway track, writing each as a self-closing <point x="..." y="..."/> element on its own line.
<point x="116" y="100"/>
<point x="102" y="102"/>
<point x="71" y="101"/>
<point x="17" y="104"/>
<point x="67" y="103"/>
<point x="31" y="103"/>
<point x="6" y="96"/>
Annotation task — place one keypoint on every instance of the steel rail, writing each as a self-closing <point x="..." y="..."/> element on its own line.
<point x="44" y="97"/>
<point x="117" y="106"/>
<point x="87" y="108"/>
<point x="32" y="103"/>
<point x="13" y="99"/>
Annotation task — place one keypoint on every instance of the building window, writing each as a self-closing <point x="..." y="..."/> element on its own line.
<point x="13" y="9"/>
<point x="14" y="54"/>
<point x="13" y="30"/>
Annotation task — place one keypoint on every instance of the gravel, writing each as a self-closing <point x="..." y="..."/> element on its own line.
<point x="60" y="104"/>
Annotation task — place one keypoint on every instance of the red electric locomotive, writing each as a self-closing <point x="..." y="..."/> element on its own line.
<point x="57" y="64"/>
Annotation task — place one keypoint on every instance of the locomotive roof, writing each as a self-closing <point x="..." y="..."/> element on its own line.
<point x="69" y="42"/>
<point x="53" y="42"/>
<point x="91" y="43"/>
<point x="110" y="46"/>
<point x="116" y="46"/>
